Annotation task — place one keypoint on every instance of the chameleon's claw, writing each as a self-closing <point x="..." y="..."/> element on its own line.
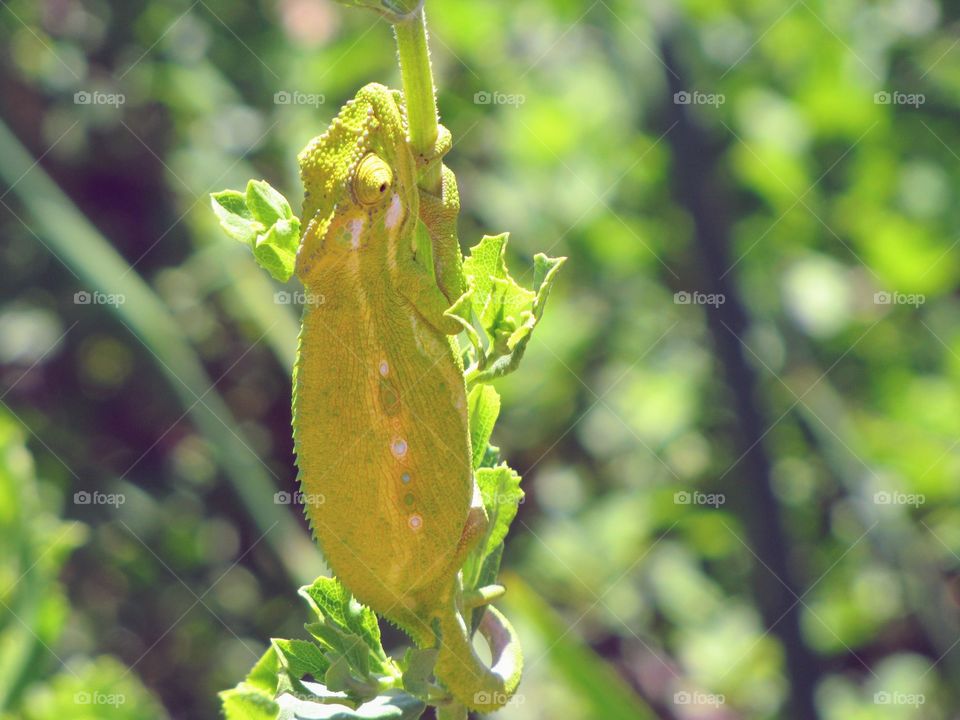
<point x="441" y="147"/>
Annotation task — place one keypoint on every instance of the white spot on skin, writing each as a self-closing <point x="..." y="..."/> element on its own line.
<point x="416" y="522"/>
<point x="384" y="368"/>
<point x="394" y="212"/>
<point x="398" y="447"/>
<point x="356" y="227"/>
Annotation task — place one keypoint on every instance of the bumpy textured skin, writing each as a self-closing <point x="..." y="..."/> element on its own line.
<point x="379" y="404"/>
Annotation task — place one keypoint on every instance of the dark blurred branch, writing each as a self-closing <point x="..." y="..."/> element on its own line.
<point x="893" y="537"/>
<point x="76" y="243"/>
<point x="694" y="167"/>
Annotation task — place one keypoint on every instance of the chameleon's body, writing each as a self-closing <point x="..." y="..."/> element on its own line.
<point x="380" y="422"/>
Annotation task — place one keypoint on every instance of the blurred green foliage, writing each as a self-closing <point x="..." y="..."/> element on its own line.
<point x="34" y="610"/>
<point x="565" y="128"/>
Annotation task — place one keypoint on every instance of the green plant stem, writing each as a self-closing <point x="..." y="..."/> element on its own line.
<point x="419" y="92"/>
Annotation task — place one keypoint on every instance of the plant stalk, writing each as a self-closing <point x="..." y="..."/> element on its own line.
<point x="419" y="92"/>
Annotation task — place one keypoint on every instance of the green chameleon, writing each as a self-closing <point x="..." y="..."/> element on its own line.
<point x="380" y="410"/>
<point x="380" y="422"/>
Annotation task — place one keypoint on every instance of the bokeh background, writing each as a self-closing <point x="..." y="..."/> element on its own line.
<point x="741" y="500"/>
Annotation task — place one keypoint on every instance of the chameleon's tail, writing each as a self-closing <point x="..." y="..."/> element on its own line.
<point x="459" y="668"/>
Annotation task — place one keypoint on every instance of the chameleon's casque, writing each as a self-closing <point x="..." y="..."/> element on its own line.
<point x="380" y="419"/>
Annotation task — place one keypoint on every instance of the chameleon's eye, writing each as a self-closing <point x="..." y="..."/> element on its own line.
<point x="372" y="180"/>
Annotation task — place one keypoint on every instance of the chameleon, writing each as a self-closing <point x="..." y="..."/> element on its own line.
<point x="379" y="401"/>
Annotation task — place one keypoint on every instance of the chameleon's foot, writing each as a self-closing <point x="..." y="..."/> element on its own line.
<point x="482" y="596"/>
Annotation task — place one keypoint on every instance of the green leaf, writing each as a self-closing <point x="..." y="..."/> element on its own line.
<point x="340" y="678"/>
<point x="263" y="675"/>
<point x="505" y="312"/>
<point x="500" y="488"/>
<point x="462" y="311"/>
<point x="491" y="456"/>
<point x="301" y="657"/>
<point x="262" y="219"/>
<point x="247" y="703"/>
<point x="235" y="218"/>
<point x="347" y="656"/>
<point x="483" y="407"/>
<point x="417" y="668"/>
<point x="489" y="570"/>
<point x="392" y="705"/>
<point x="266" y="204"/>
<point x="334" y="603"/>
<point x="342" y="646"/>
<point x="349" y="639"/>
<point x="276" y="250"/>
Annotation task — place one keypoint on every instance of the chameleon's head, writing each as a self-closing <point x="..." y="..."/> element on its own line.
<point x="359" y="179"/>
